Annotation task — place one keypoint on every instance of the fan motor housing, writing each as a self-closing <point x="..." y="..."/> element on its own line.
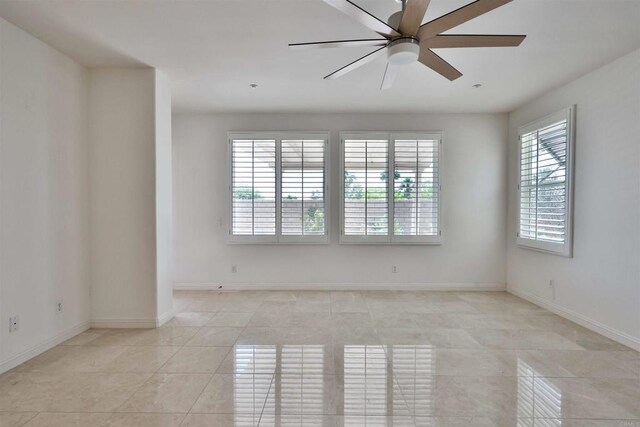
<point x="403" y="50"/>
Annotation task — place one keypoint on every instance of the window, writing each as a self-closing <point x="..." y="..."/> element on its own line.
<point x="403" y="209"/>
<point x="545" y="184"/>
<point x="278" y="187"/>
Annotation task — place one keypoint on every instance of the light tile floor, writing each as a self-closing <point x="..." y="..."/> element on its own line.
<point x="333" y="359"/>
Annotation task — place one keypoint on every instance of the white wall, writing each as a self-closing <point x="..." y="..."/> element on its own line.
<point x="123" y="183"/>
<point x="601" y="283"/>
<point x="474" y="208"/>
<point x="44" y="235"/>
<point x="164" y="197"/>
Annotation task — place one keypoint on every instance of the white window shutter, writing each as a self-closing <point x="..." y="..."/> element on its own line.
<point x="544" y="187"/>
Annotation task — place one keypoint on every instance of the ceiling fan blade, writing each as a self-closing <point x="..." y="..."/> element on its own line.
<point x="472" y="40"/>
<point x="458" y="16"/>
<point x="390" y="74"/>
<point x="356" y="64"/>
<point x="437" y="64"/>
<point x="339" y="43"/>
<point x="365" y="18"/>
<point x="412" y="16"/>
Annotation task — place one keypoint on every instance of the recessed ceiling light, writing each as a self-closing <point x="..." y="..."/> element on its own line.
<point x="253" y="85"/>
<point x="477" y="85"/>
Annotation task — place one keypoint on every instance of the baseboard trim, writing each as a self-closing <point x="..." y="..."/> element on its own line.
<point x="595" y="326"/>
<point x="124" y="323"/>
<point x="36" y="350"/>
<point x="165" y="317"/>
<point x="469" y="286"/>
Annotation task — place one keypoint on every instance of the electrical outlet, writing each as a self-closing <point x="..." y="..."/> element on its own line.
<point x="394" y="269"/>
<point x="234" y="268"/>
<point x="14" y="322"/>
<point x="59" y="306"/>
<point x="552" y="286"/>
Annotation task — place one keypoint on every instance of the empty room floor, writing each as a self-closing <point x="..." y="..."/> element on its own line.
<point x="333" y="359"/>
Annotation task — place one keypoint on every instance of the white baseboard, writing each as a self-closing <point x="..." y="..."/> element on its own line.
<point x="192" y="286"/>
<point x="600" y="328"/>
<point x="124" y="323"/>
<point x="165" y="317"/>
<point x="34" y="351"/>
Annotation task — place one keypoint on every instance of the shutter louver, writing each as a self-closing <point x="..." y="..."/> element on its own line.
<point x="303" y="187"/>
<point x="366" y="169"/>
<point x="543" y="192"/>
<point x="253" y="187"/>
<point x="416" y="187"/>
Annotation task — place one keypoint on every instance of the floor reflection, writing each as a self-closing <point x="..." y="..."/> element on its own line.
<point x="538" y="399"/>
<point x="293" y="385"/>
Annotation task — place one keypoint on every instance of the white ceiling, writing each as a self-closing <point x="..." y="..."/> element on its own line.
<point x="213" y="49"/>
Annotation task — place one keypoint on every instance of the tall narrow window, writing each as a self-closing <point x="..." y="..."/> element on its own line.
<point x="278" y="188"/>
<point x="416" y="187"/>
<point x="303" y="184"/>
<point x="545" y="185"/>
<point x="254" y="187"/>
<point x="401" y="208"/>
<point x="366" y="192"/>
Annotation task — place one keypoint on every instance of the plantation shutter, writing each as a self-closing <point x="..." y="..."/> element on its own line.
<point x="544" y="191"/>
<point x="253" y="181"/>
<point x="303" y="187"/>
<point x="365" y="185"/>
<point x="416" y="187"/>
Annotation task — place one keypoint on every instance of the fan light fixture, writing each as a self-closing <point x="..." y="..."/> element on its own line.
<point x="406" y="39"/>
<point x="403" y="51"/>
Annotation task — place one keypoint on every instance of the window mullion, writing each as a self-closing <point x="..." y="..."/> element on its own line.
<point x="278" y="189"/>
<point x="253" y="187"/>
<point x="417" y="187"/>
<point x="537" y="183"/>
<point x="366" y="188"/>
<point x="391" y="173"/>
<point x="302" y="187"/>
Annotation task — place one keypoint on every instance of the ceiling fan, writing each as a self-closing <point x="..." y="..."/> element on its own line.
<point x="406" y="40"/>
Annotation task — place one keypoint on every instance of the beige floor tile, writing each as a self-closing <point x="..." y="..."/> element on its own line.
<point x="144" y="420"/>
<point x="167" y="336"/>
<point x="196" y="360"/>
<point x="347" y="302"/>
<point x="189" y="318"/>
<point x="141" y="359"/>
<point x="48" y="360"/>
<point x="218" y="337"/>
<point x="467" y="396"/>
<point x="167" y="393"/>
<point x="67" y="392"/>
<point x="439" y="338"/>
<point x="475" y="422"/>
<point x="332" y="359"/>
<point x="474" y="362"/>
<point x="307" y="420"/>
<point x="584" y="363"/>
<point x="356" y="335"/>
<point x="15" y="419"/>
<point x="231" y="319"/>
<point x="220" y="420"/>
<point x="45" y="419"/>
<point x="234" y="394"/>
<point x="119" y="337"/>
<point x="85" y="337"/>
<point x="522" y="339"/>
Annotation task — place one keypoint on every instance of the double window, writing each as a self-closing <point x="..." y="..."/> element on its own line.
<point x="391" y="187"/>
<point x="545" y="183"/>
<point x="278" y="187"/>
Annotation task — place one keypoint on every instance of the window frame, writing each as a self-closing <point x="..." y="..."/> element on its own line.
<point x="391" y="238"/>
<point x="565" y="249"/>
<point x="278" y="237"/>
